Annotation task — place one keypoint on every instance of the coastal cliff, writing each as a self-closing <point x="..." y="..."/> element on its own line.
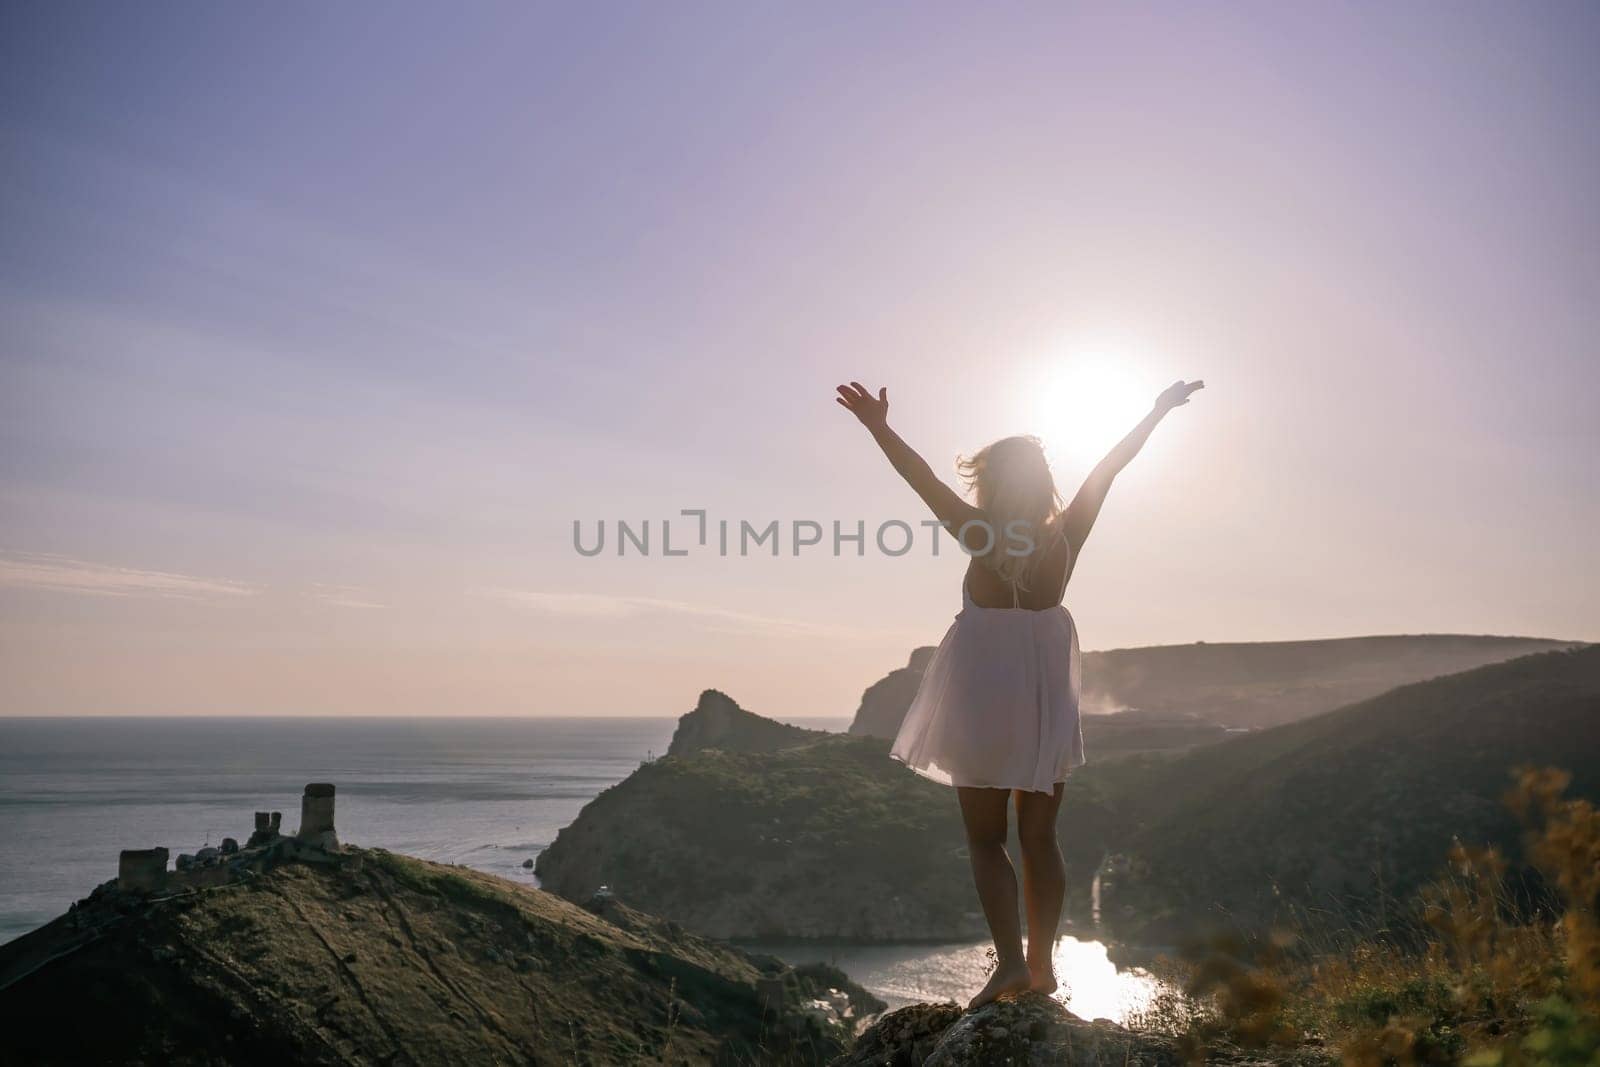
<point x="829" y="839"/>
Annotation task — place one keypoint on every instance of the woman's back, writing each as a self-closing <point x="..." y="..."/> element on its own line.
<point x="1042" y="586"/>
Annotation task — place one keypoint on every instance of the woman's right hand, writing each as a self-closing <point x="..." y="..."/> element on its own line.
<point x="872" y="411"/>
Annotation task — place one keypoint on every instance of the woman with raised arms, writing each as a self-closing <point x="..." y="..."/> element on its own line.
<point x="996" y="715"/>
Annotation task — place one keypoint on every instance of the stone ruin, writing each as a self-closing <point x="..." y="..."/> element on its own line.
<point x="144" y="870"/>
<point x="316" y="816"/>
<point x="268" y="825"/>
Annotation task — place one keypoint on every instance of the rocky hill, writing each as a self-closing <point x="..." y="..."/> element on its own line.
<point x="741" y="832"/>
<point x="718" y="722"/>
<point x="1251" y="684"/>
<point x="830" y="839"/>
<point x="330" y="955"/>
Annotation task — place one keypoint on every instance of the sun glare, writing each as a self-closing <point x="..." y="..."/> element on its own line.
<point x="1085" y="404"/>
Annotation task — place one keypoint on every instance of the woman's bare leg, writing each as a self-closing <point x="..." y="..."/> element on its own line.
<point x="984" y="813"/>
<point x="1044" y="881"/>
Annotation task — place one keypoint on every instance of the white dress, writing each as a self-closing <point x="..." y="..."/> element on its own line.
<point x="998" y="704"/>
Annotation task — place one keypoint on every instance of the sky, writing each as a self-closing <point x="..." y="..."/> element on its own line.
<point x="321" y="326"/>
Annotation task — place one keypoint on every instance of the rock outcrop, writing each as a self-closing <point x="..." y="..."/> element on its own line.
<point x="1033" y="1030"/>
<point x="717" y="721"/>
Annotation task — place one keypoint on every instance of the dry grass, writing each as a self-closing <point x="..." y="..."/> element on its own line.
<point x="1486" y="975"/>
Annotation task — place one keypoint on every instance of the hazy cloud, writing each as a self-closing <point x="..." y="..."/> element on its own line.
<point x="40" y="570"/>
<point x="343" y="596"/>
<point x="601" y="606"/>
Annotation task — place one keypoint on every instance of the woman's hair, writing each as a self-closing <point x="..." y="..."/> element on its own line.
<point x="1013" y="483"/>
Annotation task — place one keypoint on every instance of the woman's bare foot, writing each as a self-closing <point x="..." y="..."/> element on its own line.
<point x="1013" y="978"/>
<point x="1042" y="978"/>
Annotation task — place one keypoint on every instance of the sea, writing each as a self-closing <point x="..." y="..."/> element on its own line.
<point x="485" y="793"/>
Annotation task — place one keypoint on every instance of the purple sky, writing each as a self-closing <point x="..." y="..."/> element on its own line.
<point x="323" y="323"/>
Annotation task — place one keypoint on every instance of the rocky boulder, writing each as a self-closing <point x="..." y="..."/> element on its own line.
<point x="1032" y="1030"/>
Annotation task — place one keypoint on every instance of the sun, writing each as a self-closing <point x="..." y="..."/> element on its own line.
<point x="1085" y="404"/>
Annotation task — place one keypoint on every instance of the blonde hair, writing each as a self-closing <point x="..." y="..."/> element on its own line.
<point x="1013" y="484"/>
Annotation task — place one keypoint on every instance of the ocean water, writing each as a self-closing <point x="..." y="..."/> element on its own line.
<point x="486" y="793"/>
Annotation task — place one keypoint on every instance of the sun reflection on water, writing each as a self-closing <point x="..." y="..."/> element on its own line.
<point x="1093" y="988"/>
<point x="1091" y="984"/>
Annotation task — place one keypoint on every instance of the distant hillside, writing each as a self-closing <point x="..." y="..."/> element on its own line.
<point x="1240" y="685"/>
<point x="832" y="839"/>
<point x="1346" y="808"/>
<point x="718" y="722"/>
<point x="374" y="958"/>
<point x="1273" y="682"/>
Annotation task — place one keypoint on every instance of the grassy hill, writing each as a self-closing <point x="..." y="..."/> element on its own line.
<point x="1346" y="812"/>
<point x="372" y="958"/>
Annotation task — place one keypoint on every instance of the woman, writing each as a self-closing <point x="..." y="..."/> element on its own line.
<point x="996" y="714"/>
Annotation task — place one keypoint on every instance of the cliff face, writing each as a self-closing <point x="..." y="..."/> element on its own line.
<point x="1180" y="690"/>
<point x="718" y="722"/>
<point x="369" y="957"/>
<point x="884" y="703"/>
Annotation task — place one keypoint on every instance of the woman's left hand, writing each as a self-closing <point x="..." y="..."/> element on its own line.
<point x="1177" y="394"/>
